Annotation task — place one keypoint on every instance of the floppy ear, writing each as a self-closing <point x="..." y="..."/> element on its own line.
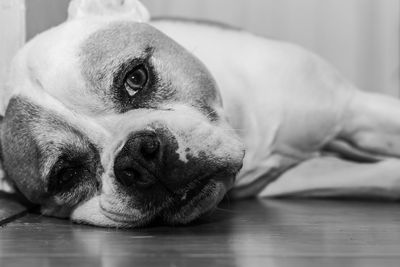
<point x="128" y="9"/>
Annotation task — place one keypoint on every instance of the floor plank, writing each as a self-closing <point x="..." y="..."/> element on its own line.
<point x="10" y="208"/>
<point x="288" y="232"/>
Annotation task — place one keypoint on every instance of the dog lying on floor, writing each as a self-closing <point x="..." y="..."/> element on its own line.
<point x="112" y="119"/>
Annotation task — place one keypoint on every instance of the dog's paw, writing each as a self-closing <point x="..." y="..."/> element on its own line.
<point x="131" y="9"/>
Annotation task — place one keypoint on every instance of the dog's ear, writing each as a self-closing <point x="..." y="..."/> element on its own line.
<point x="5" y="184"/>
<point x="129" y="9"/>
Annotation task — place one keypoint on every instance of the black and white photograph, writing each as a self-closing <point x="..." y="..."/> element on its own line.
<point x="200" y="133"/>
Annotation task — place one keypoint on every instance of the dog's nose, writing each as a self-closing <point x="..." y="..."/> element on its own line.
<point x="138" y="159"/>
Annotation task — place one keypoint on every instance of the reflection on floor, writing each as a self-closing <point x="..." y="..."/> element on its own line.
<point x="291" y="232"/>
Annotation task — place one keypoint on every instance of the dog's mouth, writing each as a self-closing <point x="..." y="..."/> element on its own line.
<point x="184" y="206"/>
<point x="197" y="199"/>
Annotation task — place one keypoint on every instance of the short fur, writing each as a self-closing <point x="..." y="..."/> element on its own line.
<point x="77" y="143"/>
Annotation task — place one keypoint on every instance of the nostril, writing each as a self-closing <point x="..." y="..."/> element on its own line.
<point x="138" y="160"/>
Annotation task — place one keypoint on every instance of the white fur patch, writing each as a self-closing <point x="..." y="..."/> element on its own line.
<point x="90" y="212"/>
<point x="191" y="130"/>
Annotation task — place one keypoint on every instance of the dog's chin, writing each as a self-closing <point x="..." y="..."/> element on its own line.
<point x="188" y="209"/>
<point x="94" y="213"/>
<point x="191" y="203"/>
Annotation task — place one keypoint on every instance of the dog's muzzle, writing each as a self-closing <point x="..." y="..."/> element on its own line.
<point x="149" y="161"/>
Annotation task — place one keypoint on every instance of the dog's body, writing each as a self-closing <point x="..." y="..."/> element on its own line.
<point x="290" y="107"/>
<point x="117" y="125"/>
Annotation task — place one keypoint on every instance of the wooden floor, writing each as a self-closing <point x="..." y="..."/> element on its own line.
<point x="269" y="233"/>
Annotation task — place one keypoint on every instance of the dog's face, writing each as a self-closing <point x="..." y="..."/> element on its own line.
<point x="112" y="123"/>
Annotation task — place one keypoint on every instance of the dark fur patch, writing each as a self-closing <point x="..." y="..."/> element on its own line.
<point x="25" y="153"/>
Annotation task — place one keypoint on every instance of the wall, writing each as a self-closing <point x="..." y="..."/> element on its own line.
<point x="360" y="37"/>
<point x="12" y="34"/>
<point x="43" y="14"/>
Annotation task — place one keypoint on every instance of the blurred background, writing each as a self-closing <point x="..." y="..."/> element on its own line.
<point x="359" y="37"/>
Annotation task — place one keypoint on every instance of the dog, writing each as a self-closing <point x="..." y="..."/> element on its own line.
<point x="116" y="120"/>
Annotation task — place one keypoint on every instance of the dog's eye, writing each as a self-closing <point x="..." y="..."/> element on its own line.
<point x="136" y="80"/>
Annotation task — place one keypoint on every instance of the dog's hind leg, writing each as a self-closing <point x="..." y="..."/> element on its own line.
<point x="335" y="177"/>
<point x="370" y="132"/>
<point x="370" y="128"/>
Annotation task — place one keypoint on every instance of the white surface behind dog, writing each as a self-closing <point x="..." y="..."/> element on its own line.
<point x="359" y="37"/>
<point x="12" y="33"/>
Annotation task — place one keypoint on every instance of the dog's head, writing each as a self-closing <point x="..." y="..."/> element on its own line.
<point x="110" y="122"/>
